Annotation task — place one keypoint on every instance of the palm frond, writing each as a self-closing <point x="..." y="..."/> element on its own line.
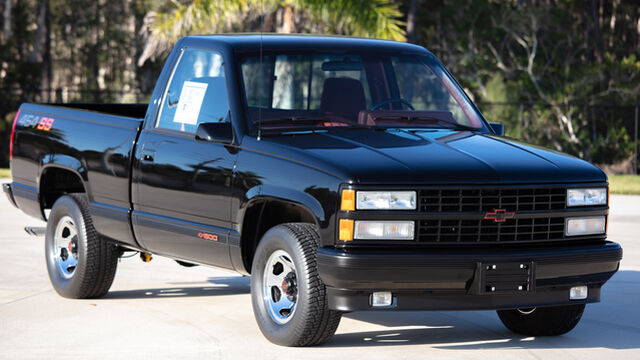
<point x="365" y="18"/>
<point x="164" y="28"/>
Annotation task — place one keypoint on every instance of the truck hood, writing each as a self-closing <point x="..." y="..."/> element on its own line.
<point x="436" y="156"/>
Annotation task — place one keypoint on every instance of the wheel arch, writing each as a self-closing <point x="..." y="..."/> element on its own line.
<point x="60" y="175"/>
<point x="262" y="213"/>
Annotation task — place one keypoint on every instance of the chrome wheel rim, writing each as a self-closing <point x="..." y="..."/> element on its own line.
<point x="280" y="288"/>
<point x="526" y="311"/>
<point x="65" y="251"/>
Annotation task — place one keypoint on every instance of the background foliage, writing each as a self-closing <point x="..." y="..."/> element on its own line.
<point x="559" y="73"/>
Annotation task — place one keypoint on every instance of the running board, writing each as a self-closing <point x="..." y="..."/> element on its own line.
<point x="35" y="230"/>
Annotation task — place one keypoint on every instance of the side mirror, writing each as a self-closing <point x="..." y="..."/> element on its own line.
<point x="215" y="132"/>
<point x="497" y="128"/>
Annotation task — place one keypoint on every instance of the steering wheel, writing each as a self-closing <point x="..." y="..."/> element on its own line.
<point x="394" y="100"/>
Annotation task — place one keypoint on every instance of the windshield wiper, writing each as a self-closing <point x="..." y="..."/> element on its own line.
<point x="431" y="120"/>
<point x="290" y="120"/>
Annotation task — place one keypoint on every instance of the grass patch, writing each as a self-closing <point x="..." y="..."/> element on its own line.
<point x="5" y="173"/>
<point x="624" y="184"/>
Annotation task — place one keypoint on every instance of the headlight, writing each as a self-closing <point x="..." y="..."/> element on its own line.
<point x="585" y="197"/>
<point x="386" y="200"/>
<point x="585" y="226"/>
<point x="384" y="230"/>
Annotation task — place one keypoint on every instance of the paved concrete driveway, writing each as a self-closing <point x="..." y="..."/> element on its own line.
<point x="163" y="310"/>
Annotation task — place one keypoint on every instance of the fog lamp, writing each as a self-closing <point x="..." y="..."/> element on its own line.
<point x="381" y="298"/>
<point x="578" y="293"/>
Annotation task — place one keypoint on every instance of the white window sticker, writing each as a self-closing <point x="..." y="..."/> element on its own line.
<point x="190" y="102"/>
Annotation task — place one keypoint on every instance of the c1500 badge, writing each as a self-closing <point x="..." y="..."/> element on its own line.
<point x="208" y="236"/>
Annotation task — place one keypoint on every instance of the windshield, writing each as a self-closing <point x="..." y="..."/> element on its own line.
<point x="291" y="90"/>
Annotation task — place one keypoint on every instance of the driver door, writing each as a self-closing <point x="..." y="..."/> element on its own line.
<point x="182" y="187"/>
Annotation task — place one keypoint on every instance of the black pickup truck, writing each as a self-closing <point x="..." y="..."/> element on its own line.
<point x="342" y="174"/>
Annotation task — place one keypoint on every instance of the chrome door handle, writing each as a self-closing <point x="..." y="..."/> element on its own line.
<point x="147" y="155"/>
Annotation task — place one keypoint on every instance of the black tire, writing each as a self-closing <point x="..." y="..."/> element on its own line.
<point x="312" y="322"/>
<point x="546" y="321"/>
<point x="96" y="259"/>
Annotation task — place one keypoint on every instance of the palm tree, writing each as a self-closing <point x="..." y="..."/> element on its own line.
<point x="365" y="18"/>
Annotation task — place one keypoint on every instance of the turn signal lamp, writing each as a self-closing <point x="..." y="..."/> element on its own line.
<point x="346" y="230"/>
<point x="348" y="202"/>
<point x="384" y="230"/>
<point x="587" y="225"/>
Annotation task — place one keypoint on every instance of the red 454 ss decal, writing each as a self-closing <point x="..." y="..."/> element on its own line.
<point x="45" y="124"/>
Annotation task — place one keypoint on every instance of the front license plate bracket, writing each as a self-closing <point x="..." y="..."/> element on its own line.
<point x="503" y="278"/>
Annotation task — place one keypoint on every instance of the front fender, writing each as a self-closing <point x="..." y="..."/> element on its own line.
<point x="285" y="194"/>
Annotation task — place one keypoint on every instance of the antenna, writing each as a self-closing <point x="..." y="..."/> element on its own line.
<point x="261" y="73"/>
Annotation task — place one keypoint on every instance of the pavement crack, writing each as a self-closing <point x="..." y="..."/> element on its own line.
<point x="25" y="297"/>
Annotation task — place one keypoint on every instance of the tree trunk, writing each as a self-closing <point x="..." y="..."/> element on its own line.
<point x="597" y="36"/>
<point x="41" y="52"/>
<point x="95" y="49"/>
<point x="287" y="25"/>
<point x="612" y="22"/>
<point x="412" y="20"/>
<point x="129" y="74"/>
<point x="638" y="31"/>
<point x="281" y="20"/>
<point x="36" y="55"/>
<point x="6" y="29"/>
<point x="45" y="79"/>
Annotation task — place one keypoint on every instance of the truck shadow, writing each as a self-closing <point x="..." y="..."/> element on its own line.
<point x="220" y="286"/>
<point x="613" y="324"/>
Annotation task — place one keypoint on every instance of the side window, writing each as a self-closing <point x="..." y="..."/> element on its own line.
<point x="197" y="92"/>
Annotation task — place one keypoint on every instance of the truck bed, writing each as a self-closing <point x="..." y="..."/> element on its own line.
<point x="92" y="141"/>
<point x="137" y="111"/>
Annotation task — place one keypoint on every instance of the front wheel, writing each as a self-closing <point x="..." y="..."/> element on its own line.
<point x="289" y="299"/>
<point x="547" y="321"/>
<point x="81" y="264"/>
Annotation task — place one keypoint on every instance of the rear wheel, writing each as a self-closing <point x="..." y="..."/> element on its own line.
<point x="289" y="299"/>
<point x="80" y="263"/>
<point x="547" y="321"/>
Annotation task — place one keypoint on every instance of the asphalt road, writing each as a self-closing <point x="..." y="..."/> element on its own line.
<point x="163" y="310"/>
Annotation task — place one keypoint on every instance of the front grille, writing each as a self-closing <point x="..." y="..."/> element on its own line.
<point x="438" y="231"/>
<point x="488" y="199"/>
<point x="490" y="216"/>
<point x="521" y="228"/>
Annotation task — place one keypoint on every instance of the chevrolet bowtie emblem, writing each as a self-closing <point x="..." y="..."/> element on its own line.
<point x="499" y="215"/>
